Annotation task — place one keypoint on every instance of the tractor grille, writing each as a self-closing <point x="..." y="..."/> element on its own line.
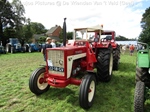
<point x="18" y="46"/>
<point x="56" y="62"/>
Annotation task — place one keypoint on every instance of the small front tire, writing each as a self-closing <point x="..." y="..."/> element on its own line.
<point x="37" y="82"/>
<point x="87" y="91"/>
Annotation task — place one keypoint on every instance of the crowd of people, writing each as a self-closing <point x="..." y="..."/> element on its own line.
<point x="130" y="47"/>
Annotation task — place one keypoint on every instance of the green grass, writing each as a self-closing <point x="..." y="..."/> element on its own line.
<point x="15" y="96"/>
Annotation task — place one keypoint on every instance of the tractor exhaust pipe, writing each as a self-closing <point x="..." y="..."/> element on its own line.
<point x="64" y="32"/>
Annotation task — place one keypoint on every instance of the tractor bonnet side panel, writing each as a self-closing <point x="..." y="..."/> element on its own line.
<point x="143" y="59"/>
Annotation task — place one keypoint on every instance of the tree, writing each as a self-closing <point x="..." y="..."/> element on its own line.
<point x="37" y="28"/>
<point x="18" y="18"/>
<point x="69" y="35"/>
<point x="121" y="38"/>
<point x="6" y="15"/>
<point x="31" y="28"/>
<point x="145" y="24"/>
<point x="27" y="30"/>
<point x="11" y="15"/>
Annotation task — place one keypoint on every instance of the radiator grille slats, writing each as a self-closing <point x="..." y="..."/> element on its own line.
<point x="57" y="62"/>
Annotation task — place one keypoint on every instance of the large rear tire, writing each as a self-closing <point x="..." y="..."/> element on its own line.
<point x="116" y="58"/>
<point x="87" y="91"/>
<point x="139" y="97"/>
<point x="37" y="84"/>
<point x="142" y="75"/>
<point x="105" y="64"/>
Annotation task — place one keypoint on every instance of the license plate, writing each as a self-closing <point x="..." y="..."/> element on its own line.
<point x="58" y="69"/>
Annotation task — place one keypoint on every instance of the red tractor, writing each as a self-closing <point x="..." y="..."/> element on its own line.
<point x="64" y="64"/>
<point x="109" y="37"/>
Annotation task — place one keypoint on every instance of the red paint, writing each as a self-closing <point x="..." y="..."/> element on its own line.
<point x="83" y="64"/>
<point x="41" y="80"/>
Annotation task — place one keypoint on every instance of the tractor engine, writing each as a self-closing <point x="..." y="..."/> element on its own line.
<point x="77" y="67"/>
<point x="65" y="62"/>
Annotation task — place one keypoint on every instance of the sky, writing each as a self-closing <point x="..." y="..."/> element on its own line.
<point x="122" y="16"/>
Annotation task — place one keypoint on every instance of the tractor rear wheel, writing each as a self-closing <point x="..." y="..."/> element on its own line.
<point x="87" y="91"/>
<point x="139" y="97"/>
<point x="116" y="58"/>
<point x="37" y="82"/>
<point x="142" y="75"/>
<point x="105" y="64"/>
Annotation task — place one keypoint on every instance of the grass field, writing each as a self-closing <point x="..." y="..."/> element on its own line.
<point x="15" y="96"/>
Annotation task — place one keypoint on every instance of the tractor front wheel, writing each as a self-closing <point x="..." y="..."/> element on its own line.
<point x="87" y="91"/>
<point x="37" y="82"/>
<point x="139" y="97"/>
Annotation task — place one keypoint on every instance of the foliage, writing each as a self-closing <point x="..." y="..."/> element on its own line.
<point x="32" y="28"/>
<point x="27" y="30"/>
<point x="9" y="32"/>
<point x="145" y="36"/>
<point x="145" y="24"/>
<point x="121" y="38"/>
<point x="69" y="35"/>
<point x="42" y="39"/>
<point x="18" y="17"/>
<point x="37" y="28"/>
<point x="11" y="15"/>
<point x="6" y="14"/>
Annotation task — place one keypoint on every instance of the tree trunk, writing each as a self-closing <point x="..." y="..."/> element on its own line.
<point x="1" y="32"/>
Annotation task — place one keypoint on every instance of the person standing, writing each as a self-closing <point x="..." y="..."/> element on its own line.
<point x="131" y="48"/>
<point x="53" y="43"/>
<point x="47" y="45"/>
<point x="123" y="49"/>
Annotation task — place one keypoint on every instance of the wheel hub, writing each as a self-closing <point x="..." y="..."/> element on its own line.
<point x="41" y="80"/>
